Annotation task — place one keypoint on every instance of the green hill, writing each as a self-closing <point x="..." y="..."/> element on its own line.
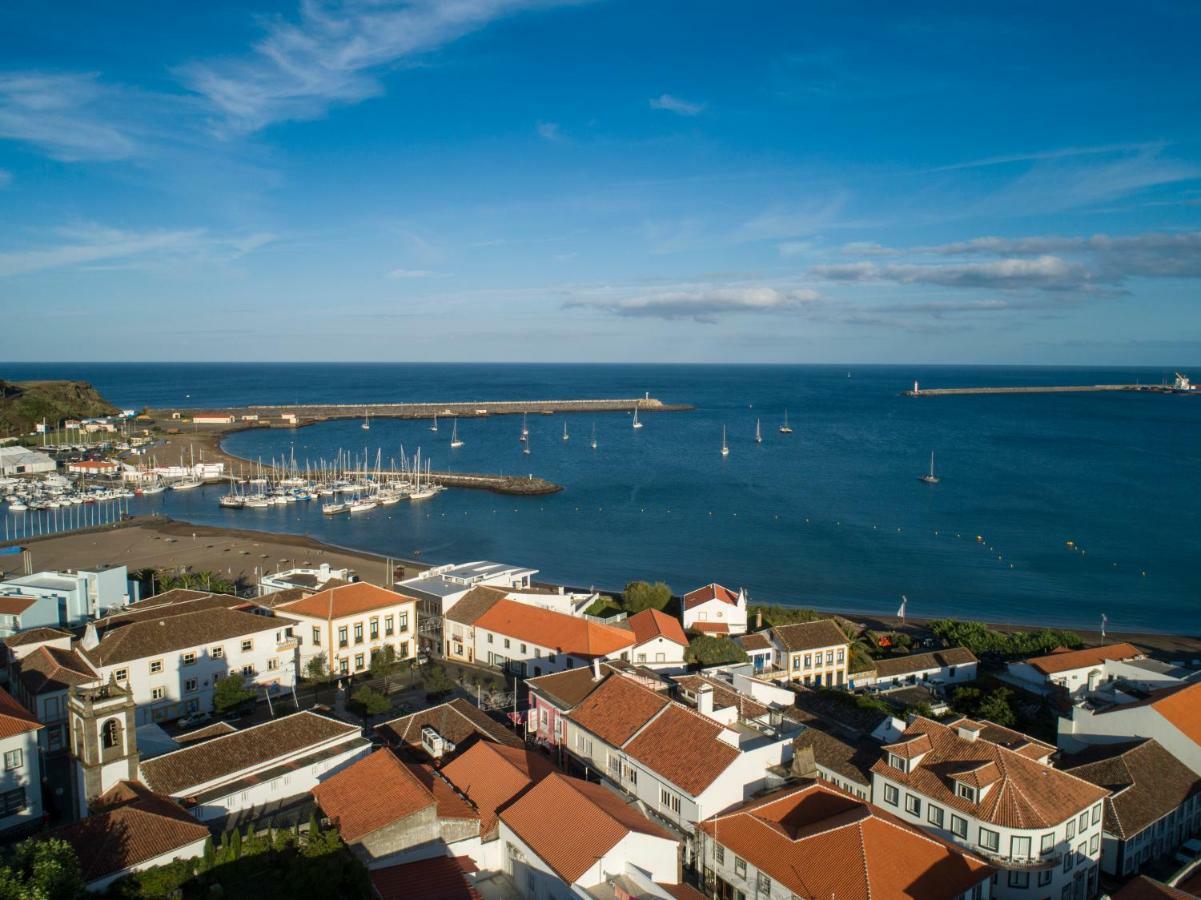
<point x="25" y="403"/>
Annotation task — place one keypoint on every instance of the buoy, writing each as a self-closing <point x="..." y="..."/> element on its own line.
<point x="979" y="539"/>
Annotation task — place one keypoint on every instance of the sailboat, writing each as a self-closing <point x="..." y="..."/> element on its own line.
<point x="525" y="431"/>
<point x="434" y="427"/>
<point x="367" y="421"/>
<point x="636" y="423"/>
<point x="725" y="448"/>
<point x="785" y="428"/>
<point x="593" y="435"/>
<point x="455" y="443"/>
<point x="758" y="433"/>
<point x="930" y="478"/>
<point x="566" y="436"/>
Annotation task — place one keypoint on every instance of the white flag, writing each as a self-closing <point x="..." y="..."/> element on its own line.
<point x="904" y="603"/>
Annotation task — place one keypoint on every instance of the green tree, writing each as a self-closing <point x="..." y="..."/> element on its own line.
<point x="370" y="701"/>
<point x="966" y="700"/>
<point x="713" y="651"/>
<point x="41" y="870"/>
<point x="435" y="680"/>
<point x="383" y="663"/>
<point x="640" y="595"/>
<point x="314" y="824"/>
<point x="996" y="707"/>
<point x="210" y="853"/>
<point x="235" y="843"/>
<point x="230" y="691"/>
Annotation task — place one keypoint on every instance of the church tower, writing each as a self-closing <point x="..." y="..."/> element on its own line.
<point x="104" y="744"/>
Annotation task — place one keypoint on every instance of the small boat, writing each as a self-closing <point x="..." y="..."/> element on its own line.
<point x="434" y="427"/>
<point x="231" y="501"/>
<point x="593" y="435"/>
<point x="785" y="428"/>
<point x="186" y="484"/>
<point x="566" y="437"/>
<point x="361" y="505"/>
<point x="929" y="478"/>
<point x="455" y="441"/>
<point x="525" y="449"/>
<point x="367" y="421"/>
<point x="17" y="506"/>
<point x="525" y="431"/>
<point x="758" y="433"/>
<point x="156" y="488"/>
<point x="725" y="448"/>
<point x="636" y="423"/>
<point x="332" y="509"/>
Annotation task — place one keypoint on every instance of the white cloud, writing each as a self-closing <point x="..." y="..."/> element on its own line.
<point x="703" y="304"/>
<point x="411" y="273"/>
<point x="63" y="114"/>
<point x="783" y="222"/>
<point x="794" y="248"/>
<point x="549" y="131"/>
<point x="1043" y="155"/>
<point x="1044" y="272"/>
<point x="334" y="52"/>
<point x="676" y="105"/>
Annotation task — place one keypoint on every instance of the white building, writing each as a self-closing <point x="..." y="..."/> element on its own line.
<point x="937" y="669"/>
<point x="660" y="642"/>
<point x="256" y="770"/>
<point x="1076" y="671"/>
<point x="21" y="776"/>
<point x="531" y="641"/>
<point x="714" y="609"/>
<point x="310" y="580"/>
<point x="21" y="461"/>
<point x="1040" y="826"/>
<point x="75" y="596"/>
<point x="43" y="666"/>
<point x="817" y="654"/>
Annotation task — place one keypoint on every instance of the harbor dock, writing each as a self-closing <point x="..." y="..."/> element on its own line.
<point x="1040" y="389"/>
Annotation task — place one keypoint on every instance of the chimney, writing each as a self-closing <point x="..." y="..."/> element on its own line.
<point x="968" y="730"/>
<point x="596" y="673"/>
<point x="90" y="638"/>
<point x="758" y="619"/>
<point x="804" y="764"/>
<point x="704" y="700"/>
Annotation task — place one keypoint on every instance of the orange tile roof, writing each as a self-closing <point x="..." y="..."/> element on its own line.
<point x="451" y="805"/>
<point x="709" y="592"/>
<point x="595" y="818"/>
<point x="556" y="631"/>
<point x="617" y="709"/>
<point x="372" y="792"/>
<point x="682" y="746"/>
<point x="345" y="600"/>
<point x="491" y="776"/>
<point x="1023" y="793"/>
<point x="819" y="842"/>
<point x="710" y="627"/>
<point x="1064" y="660"/>
<point x="15" y="718"/>
<point x="15" y="604"/>
<point x="1181" y="707"/>
<point x="651" y="623"/>
<point x="437" y="878"/>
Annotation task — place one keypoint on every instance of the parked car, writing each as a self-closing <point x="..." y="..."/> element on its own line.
<point x="194" y="720"/>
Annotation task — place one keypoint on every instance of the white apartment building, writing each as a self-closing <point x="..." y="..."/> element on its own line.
<point x="345" y="625"/>
<point x="531" y="641"/>
<point x="20" y="766"/>
<point x="308" y="579"/>
<point x="714" y="609"/>
<point x="817" y="654"/>
<point x="1172" y="717"/>
<point x="1041" y="827"/>
<point x="1081" y="671"/>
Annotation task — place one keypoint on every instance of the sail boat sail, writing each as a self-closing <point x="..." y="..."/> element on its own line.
<point x="785" y="428"/>
<point x="725" y="448"/>
<point x="593" y="435"/>
<point x="758" y="433"/>
<point x="566" y="437"/>
<point x="367" y="421"/>
<point x="636" y="423"/>
<point x="455" y="442"/>
<point x="929" y="478"/>
<point x="434" y="427"/>
<point x="525" y="431"/>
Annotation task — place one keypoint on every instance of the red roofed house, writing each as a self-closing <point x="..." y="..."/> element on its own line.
<point x="714" y="609"/>
<point x="20" y="779"/>
<point x="814" y="841"/>
<point x="348" y="623"/>
<point x="531" y="641"/>
<point x="1081" y="671"/>
<point x="660" y="641"/>
<point x="570" y="838"/>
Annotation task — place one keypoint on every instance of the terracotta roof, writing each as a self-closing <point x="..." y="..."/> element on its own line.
<point x="819" y="842"/>
<point x="594" y="817"/>
<point x="843" y="753"/>
<point x="568" y="688"/>
<point x="650" y="624"/>
<point x="1141" y="887"/>
<point x="723" y="696"/>
<point x="1024" y="793"/>
<point x="1010" y="739"/>
<point x="709" y="592"/>
<point x="165" y="598"/>
<point x="15" y="718"/>
<point x="15" y="604"/>
<point x="175" y="772"/>
<point x="451" y="804"/>
<point x="683" y="747"/>
<point x="836" y="707"/>
<point x="456" y="721"/>
<point x="898" y="666"/>
<point x="809" y="635"/>
<point x="155" y="635"/>
<point x="757" y="640"/>
<point x="437" y="878"/>
<point x="474" y="604"/>
<point x="617" y="709"/>
<point x="132" y="825"/>
<point x="49" y="669"/>
<point x="346" y="600"/>
<point x="35" y="636"/>
<point x="1063" y="660"/>
<point x="492" y="776"/>
<point x="1145" y="780"/>
<point x="370" y="793"/>
<point x="217" y="729"/>
<point x="176" y="607"/>
<point x="910" y="747"/>
<point x="1181" y="707"/>
<point x="556" y="631"/>
<point x="710" y="627"/>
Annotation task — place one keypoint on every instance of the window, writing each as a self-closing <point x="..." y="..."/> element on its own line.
<point x="358" y="632"/>
<point x="1084" y="821"/>
<point x="158" y="693"/>
<point x="1019" y="847"/>
<point x="891" y="795"/>
<point x="808" y="661"/>
<point x="272" y="664"/>
<point x="248" y="670"/>
<point x="110" y="734"/>
<point x="156" y="666"/>
<point x="506" y="643"/>
<point x="403" y="652"/>
<point x="190" y="685"/>
<point x="1071" y="829"/>
<point x="934" y="815"/>
<point x="1094" y="843"/>
<point x="1019" y="879"/>
<point x="796" y="662"/>
<point x="1048" y="843"/>
<point x="489" y="638"/>
<point x="740" y="867"/>
<point x="958" y="826"/>
<point x="343" y="638"/>
<point x="631" y="774"/>
<point x="389" y="624"/>
<point x="247" y="646"/>
<point x="552" y="657"/>
<point x="719" y="853"/>
<point x="14" y="759"/>
<point x="1044" y="877"/>
<point x="896" y="762"/>
<point x="358" y="660"/>
<point x="966" y="791"/>
<point x="217" y="652"/>
<point x="669" y="800"/>
<point x="316" y="636"/>
<point x="989" y="839"/>
<point x="842" y="656"/>
<point x="763" y="884"/>
<point x="374" y="629"/>
<point x="1096" y="813"/>
<point x="404" y="621"/>
<point x="188" y="659"/>
<point x="344" y="666"/>
<point x="1067" y="861"/>
<point x="977" y="892"/>
<point x="829" y="657"/>
<point x="12" y="802"/>
<point x="122" y="674"/>
<point x="614" y="762"/>
<point x="913" y="805"/>
<point x="1081" y="853"/>
<point x="523" y="649"/>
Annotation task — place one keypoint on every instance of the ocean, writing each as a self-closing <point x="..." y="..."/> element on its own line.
<point x="831" y="516"/>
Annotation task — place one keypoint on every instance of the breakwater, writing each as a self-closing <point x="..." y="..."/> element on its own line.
<point x="1039" y="389"/>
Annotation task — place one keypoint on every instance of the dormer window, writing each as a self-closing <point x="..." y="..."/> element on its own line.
<point x="966" y="791"/>
<point x="898" y="762"/>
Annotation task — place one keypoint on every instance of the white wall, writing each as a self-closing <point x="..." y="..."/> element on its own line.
<point x="194" y="850"/>
<point x="534" y="656"/>
<point x="658" y="651"/>
<point x="718" y="611"/>
<point x="1084" y="727"/>
<point x="27" y="775"/>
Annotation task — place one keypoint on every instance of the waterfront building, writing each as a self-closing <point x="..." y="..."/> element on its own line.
<point x="1154" y="804"/>
<point x="440" y="732"/>
<point x="23" y="461"/>
<point x="1172" y="717"/>
<point x="345" y="625"/>
<point x="256" y="771"/>
<point x="1080" y="671"/>
<point x="1041" y="827"/>
<point x="760" y="652"/>
<point x="660" y="642"/>
<point x="613" y="850"/>
<point x="93" y="468"/>
<point x="19" y="612"/>
<point x="211" y="417"/>
<point x="817" y="654"/>
<point x="79" y="596"/>
<point x="527" y="640"/>
<point x="21" y="777"/>
<point x="938" y="670"/>
<point x="458" y="625"/>
<point x="714" y="609"/>
<point x="809" y="840"/>
<point x="308" y="580"/>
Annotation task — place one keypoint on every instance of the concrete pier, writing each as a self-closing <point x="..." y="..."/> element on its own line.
<point x="1039" y="389"/>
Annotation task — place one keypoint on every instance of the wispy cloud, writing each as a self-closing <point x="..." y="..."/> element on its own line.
<point x="411" y="273"/>
<point x="334" y="52"/>
<point x="1044" y="272"/>
<point x="1043" y="155"/>
<point x="703" y="304"/>
<point x="782" y="222"/>
<point x="676" y="105"/>
<point x="549" y="131"/>
<point x="64" y="114"/>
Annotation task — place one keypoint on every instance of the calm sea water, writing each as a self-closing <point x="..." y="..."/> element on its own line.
<point x="832" y="515"/>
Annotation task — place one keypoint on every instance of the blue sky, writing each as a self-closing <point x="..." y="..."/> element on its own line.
<point x="601" y="181"/>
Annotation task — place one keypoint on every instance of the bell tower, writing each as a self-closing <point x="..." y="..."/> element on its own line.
<point x="104" y="744"/>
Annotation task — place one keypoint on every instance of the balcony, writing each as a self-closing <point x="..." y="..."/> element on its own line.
<point x="1020" y="865"/>
<point x="290" y="643"/>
